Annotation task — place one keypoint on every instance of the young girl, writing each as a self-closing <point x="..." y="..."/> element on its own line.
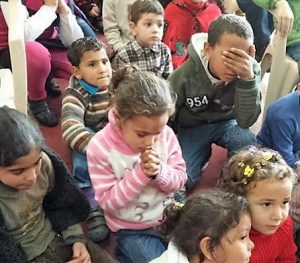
<point x="211" y="227"/>
<point x="135" y="163"/>
<point x="40" y="208"/>
<point x="265" y="179"/>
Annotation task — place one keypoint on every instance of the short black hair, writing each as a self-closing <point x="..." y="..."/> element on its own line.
<point x="140" y="7"/>
<point x="230" y="24"/>
<point x="81" y="45"/>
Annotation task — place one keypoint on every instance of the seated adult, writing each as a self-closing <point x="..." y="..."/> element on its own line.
<point x="49" y="28"/>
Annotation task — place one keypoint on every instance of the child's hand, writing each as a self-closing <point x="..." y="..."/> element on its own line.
<point x="240" y="62"/>
<point x="80" y="254"/>
<point x="94" y="11"/>
<point x="150" y="162"/>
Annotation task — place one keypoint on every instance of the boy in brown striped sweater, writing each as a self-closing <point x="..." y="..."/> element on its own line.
<point x="84" y="112"/>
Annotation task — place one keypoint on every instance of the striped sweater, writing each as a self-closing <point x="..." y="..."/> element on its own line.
<point x="129" y="199"/>
<point x="81" y="113"/>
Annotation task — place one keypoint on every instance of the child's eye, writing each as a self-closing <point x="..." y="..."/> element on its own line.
<point x="286" y="202"/>
<point x="148" y="24"/>
<point x="265" y="204"/>
<point x="104" y="61"/>
<point x="17" y="172"/>
<point x="92" y="65"/>
<point x="244" y="237"/>
<point x="141" y="135"/>
<point x="160" y="25"/>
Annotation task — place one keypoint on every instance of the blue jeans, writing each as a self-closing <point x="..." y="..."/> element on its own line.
<point x="196" y="143"/>
<point x="139" y="246"/>
<point x="294" y="51"/>
<point x="86" y="29"/>
<point x="80" y="170"/>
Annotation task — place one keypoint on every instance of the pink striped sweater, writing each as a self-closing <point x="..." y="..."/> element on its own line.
<point x="129" y="198"/>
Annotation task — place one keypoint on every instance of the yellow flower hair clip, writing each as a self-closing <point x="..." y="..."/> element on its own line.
<point x="178" y="205"/>
<point x="249" y="171"/>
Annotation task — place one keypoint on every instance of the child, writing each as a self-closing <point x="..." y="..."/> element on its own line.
<point x="93" y="11"/>
<point x="135" y="163"/>
<point x="115" y="22"/>
<point x="281" y="128"/>
<point x="84" y="112"/>
<point x="265" y="179"/>
<point x="211" y="227"/>
<point x="218" y="92"/>
<point x="40" y="208"/>
<point x="146" y="50"/>
<point x="184" y="18"/>
<point x="44" y="21"/>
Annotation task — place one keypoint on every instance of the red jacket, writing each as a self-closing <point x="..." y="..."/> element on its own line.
<point x="183" y="19"/>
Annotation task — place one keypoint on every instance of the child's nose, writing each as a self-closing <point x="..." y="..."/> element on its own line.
<point x="250" y="245"/>
<point x="31" y="175"/>
<point x="277" y="214"/>
<point x="150" y="141"/>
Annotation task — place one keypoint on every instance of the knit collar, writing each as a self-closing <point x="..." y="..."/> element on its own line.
<point x="140" y="50"/>
<point x="91" y="89"/>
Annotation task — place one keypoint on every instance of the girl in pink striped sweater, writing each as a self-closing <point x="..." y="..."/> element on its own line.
<point x="135" y="163"/>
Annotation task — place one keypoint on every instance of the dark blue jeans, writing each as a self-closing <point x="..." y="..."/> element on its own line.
<point x="86" y="29"/>
<point x="196" y="143"/>
<point x="140" y="246"/>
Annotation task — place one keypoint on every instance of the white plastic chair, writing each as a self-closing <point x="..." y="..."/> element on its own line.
<point x="13" y="85"/>
<point x="284" y="72"/>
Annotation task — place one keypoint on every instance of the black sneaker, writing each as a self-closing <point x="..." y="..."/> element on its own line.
<point x="43" y="113"/>
<point x="96" y="225"/>
<point x="52" y="88"/>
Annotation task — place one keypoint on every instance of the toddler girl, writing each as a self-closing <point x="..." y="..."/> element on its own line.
<point x="135" y="163"/>
<point x="265" y="179"/>
<point x="211" y="227"/>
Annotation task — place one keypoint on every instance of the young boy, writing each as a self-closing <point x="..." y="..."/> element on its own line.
<point x="218" y="92"/>
<point x="146" y="50"/>
<point x="184" y="18"/>
<point x="40" y="207"/>
<point x="84" y="112"/>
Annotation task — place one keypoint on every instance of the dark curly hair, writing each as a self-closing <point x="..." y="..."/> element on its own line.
<point x="135" y="92"/>
<point x="82" y="45"/>
<point x="252" y="164"/>
<point x="211" y="213"/>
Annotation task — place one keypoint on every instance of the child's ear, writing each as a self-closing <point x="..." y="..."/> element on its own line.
<point x="207" y="50"/>
<point x="132" y="28"/>
<point x="205" y="248"/>
<point x="117" y="116"/>
<point x="76" y="72"/>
